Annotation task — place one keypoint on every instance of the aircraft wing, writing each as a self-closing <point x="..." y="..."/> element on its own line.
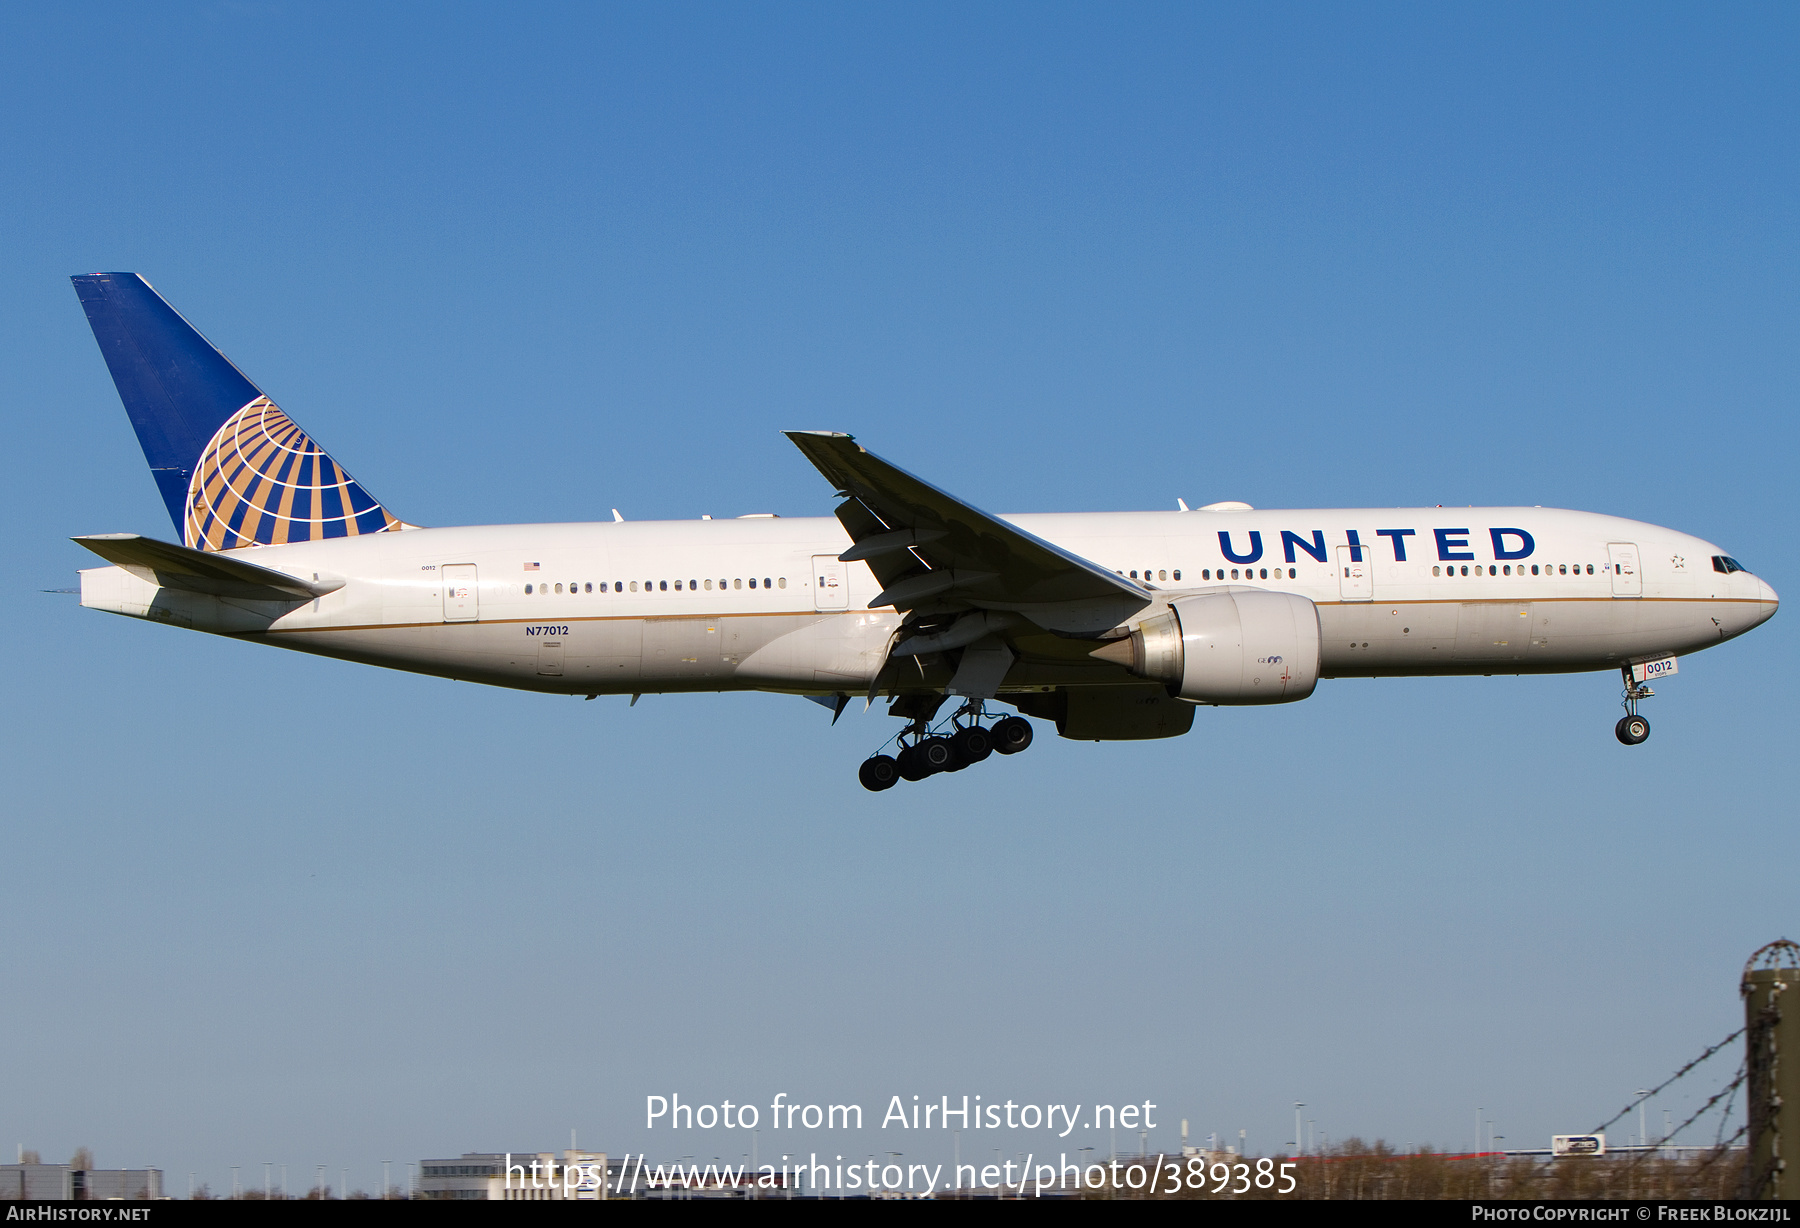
<point x="172" y="566"/>
<point x="927" y="547"/>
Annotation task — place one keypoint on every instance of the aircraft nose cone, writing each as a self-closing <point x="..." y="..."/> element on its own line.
<point x="1767" y="596"/>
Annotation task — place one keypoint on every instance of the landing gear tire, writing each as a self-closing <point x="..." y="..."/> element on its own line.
<point x="1011" y="735"/>
<point x="973" y="744"/>
<point x="910" y="766"/>
<point x="1632" y="729"/>
<point x="936" y="755"/>
<point x="878" y="773"/>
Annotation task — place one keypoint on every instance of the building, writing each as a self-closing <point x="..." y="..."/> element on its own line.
<point x="537" y="1176"/>
<point x="63" y="1182"/>
<point x="543" y="1176"/>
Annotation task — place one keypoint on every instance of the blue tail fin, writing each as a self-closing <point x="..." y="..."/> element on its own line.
<point x="233" y="469"/>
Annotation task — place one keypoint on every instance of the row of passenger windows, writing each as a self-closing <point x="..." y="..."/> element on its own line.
<point x="1550" y="569"/>
<point x="1206" y="573"/>
<point x="656" y="586"/>
<point x="1250" y="573"/>
<point x="1293" y="573"/>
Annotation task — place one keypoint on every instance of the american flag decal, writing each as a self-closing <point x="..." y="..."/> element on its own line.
<point x="531" y="567"/>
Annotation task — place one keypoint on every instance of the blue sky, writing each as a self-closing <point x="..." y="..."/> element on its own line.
<point x="529" y="267"/>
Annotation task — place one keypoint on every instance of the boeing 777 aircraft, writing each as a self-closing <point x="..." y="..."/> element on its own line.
<point x="1112" y="625"/>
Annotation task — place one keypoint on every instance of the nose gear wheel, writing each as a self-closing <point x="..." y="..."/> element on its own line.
<point x="1632" y="728"/>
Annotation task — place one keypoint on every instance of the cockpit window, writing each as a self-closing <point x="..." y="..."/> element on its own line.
<point x="1725" y="566"/>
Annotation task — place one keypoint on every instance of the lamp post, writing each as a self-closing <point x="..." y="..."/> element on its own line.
<point x="1299" y="1148"/>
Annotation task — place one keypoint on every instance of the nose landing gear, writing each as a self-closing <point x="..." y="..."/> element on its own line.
<point x="1632" y="728"/>
<point x="923" y="753"/>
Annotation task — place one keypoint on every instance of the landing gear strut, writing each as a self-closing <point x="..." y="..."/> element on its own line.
<point x="923" y="753"/>
<point x="1633" y="728"/>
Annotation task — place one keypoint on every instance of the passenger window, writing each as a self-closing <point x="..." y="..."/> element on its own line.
<point x="1465" y="569"/>
<point x="634" y="586"/>
<point x="528" y="590"/>
<point x="1134" y="575"/>
<point x="665" y="586"/>
<point x="737" y="584"/>
<point x="783" y="582"/>
<point x="1293" y="574"/>
<point x="603" y="586"/>
<point x="1162" y="575"/>
<point x="766" y="580"/>
<point x="1434" y="571"/>
<point x="1178" y="573"/>
<point x="1492" y="570"/>
<point x="587" y="588"/>
<point x="693" y="586"/>
<point x="752" y="581"/>
<point x="1265" y="573"/>
<point x="559" y="590"/>
<point x="709" y="586"/>
<point x="678" y="586"/>
<point x="1234" y="574"/>
<point x="1590" y="569"/>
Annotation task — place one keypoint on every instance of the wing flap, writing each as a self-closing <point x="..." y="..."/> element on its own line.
<point x="988" y="563"/>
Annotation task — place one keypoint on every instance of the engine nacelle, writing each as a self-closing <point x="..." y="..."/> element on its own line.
<point x="1240" y="647"/>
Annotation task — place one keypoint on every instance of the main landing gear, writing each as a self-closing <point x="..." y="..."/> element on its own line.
<point x="1633" y="728"/>
<point x="924" y="753"/>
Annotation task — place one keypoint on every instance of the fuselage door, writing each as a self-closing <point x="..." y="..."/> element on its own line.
<point x="1354" y="581"/>
<point x="458" y="580"/>
<point x="1627" y="580"/>
<point x="831" y="583"/>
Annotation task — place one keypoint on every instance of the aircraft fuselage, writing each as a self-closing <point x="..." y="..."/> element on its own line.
<point x="762" y="603"/>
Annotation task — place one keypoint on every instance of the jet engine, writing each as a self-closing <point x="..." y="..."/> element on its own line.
<point x="1242" y="646"/>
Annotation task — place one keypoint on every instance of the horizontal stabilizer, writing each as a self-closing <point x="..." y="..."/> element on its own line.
<point x="198" y="571"/>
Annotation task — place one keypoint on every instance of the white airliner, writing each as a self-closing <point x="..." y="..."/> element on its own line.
<point x="1113" y="625"/>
